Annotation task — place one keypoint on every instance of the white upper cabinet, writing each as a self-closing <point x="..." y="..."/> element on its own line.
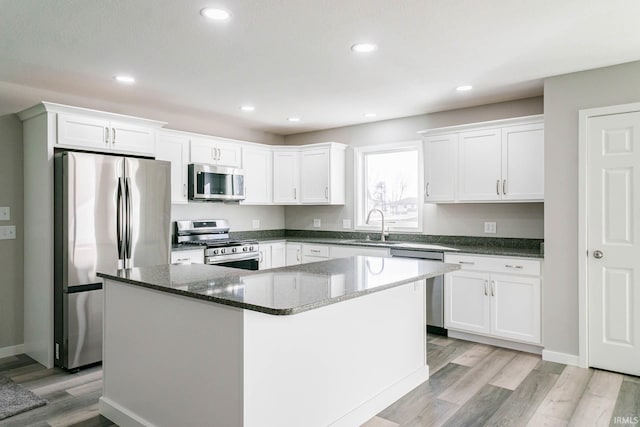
<point x="440" y="168"/>
<point x="175" y="149"/>
<point x="523" y="162"/>
<point x="494" y="161"/>
<point x="286" y="177"/>
<point x="258" y="176"/>
<point x="216" y="151"/>
<point x="101" y="133"/>
<point x="480" y="165"/>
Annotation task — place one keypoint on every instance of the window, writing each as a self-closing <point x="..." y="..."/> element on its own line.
<point x="389" y="178"/>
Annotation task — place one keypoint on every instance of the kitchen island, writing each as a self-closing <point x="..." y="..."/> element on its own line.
<point x="325" y="343"/>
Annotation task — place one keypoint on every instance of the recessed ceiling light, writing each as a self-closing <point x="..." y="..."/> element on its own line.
<point x="247" y="108"/>
<point x="464" y="88"/>
<point x="370" y="114"/>
<point x="125" y="79"/>
<point x="293" y="119"/>
<point x="364" y="47"/>
<point x="215" y="14"/>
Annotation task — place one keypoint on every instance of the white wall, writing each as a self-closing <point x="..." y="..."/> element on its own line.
<point x="240" y="217"/>
<point x="564" y="96"/>
<point x="513" y="220"/>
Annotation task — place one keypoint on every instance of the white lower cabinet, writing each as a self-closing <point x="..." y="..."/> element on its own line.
<point x="293" y="253"/>
<point x="347" y="251"/>
<point x="271" y="255"/>
<point x="314" y="253"/>
<point x="485" y="298"/>
<point x="191" y="256"/>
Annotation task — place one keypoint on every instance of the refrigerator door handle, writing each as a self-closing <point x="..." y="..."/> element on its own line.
<point x="128" y="233"/>
<point x="119" y="219"/>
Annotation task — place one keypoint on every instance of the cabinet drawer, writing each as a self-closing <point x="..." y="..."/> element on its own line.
<point x="194" y="256"/>
<point x="528" y="267"/>
<point x="315" y="250"/>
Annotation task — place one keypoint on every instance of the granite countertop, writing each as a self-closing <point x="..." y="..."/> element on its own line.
<point x="445" y="247"/>
<point x="286" y="290"/>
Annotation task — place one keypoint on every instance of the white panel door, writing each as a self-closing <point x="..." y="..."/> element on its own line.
<point x="264" y="260"/>
<point x="83" y="132"/>
<point x="293" y="254"/>
<point x="440" y="168"/>
<point x="515" y="312"/>
<point x="228" y="154"/>
<point x="203" y="151"/>
<point x="314" y="176"/>
<point x="480" y="165"/>
<point x="128" y="138"/>
<point x="258" y="176"/>
<point x="175" y="149"/>
<point x="466" y="302"/>
<point x="523" y="162"/>
<point x="286" y="176"/>
<point x="278" y="255"/>
<point x="613" y="191"/>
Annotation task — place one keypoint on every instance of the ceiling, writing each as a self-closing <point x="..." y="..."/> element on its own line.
<point x="293" y="57"/>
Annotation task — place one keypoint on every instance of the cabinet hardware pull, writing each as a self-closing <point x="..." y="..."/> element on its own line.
<point x="315" y="251"/>
<point x="498" y="187"/>
<point x="513" y="266"/>
<point x="504" y="187"/>
<point x="295" y="193"/>
<point x="298" y="255"/>
<point x="466" y="262"/>
<point x="493" y="288"/>
<point x="106" y="139"/>
<point x="260" y="259"/>
<point x="184" y="188"/>
<point x="486" y="293"/>
<point x="219" y="153"/>
<point x="326" y="193"/>
<point x="114" y="134"/>
<point x="426" y="190"/>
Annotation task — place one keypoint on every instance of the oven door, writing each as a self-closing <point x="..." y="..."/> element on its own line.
<point x="245" y="264"/>
<point x="209" y="182"/>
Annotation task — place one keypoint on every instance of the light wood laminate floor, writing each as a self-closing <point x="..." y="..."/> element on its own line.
<point x="471" y="385"/>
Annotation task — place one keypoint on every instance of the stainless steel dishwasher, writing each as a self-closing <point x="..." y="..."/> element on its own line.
<point x="435" y="290"/>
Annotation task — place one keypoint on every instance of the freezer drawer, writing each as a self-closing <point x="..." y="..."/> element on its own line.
<point x="83" y="320"/>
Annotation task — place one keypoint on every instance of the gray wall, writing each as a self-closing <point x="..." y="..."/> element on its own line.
<point x="513" y="219"/>
<point x="11" y="251"/>
<point x="564" y="96"/>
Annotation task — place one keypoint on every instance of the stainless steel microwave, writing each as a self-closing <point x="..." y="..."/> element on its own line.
<point x="215" y="183"/>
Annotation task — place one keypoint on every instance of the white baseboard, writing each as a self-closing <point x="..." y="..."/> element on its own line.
<point x="513" y="345"/>
<point x="120" y="415"/>
<point x="14" y="350"/>
<point x="564" y="358"/>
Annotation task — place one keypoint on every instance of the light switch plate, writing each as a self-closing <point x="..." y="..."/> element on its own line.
<point x="490" y="227"/>
<point x="346" y="223"/>
<point x="255" y="223"/>
<point x="7" y="232"/>
<point x="5" y="213"/>
<point x="317" y="222"/>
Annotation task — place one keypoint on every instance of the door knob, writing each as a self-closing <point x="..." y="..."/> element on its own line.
<point x="598" y="254"/>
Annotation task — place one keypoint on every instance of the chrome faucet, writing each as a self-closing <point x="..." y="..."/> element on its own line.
<point x="382" y="239"/>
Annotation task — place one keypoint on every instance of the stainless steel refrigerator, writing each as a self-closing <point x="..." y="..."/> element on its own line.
<point x="110" y="213"/>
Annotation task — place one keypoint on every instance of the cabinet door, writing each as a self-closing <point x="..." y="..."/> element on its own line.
<point x="278" y="255"/>
<point x="264" y="260"/>
<point x="258" y="177"/>
<point x="515" y="310"/>
<point x="466" y="302"/>
<point x="523" y="162"/>
<point x="202" y="151"/>
<point x="126" y="138"/>
<point x="286" y="177"/>
<point x="440" y="168"/>
<point x="228" y="154"/>
<point x="314" y="176"/>
<point x="83" y="132"/>
<point x="175" y="149"/>
<point x="294" y="253"/>
<point x="480" y="165"/>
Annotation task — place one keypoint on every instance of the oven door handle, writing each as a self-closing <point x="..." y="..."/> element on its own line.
<point x="212" y="260"/>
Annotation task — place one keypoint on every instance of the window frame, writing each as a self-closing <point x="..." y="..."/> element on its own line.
<point x="359" y="190"/>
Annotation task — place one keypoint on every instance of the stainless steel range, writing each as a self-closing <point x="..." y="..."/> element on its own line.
<point x="220" y="250"/>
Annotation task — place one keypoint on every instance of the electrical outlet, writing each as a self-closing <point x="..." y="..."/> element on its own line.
<point x="317" y="222"/>
<point x="490" y="227"/>
<point x="346" y="223"/>
<point x="5" y="213"/>
<point x="7" y="232"/>
<point x="255" y="223"/>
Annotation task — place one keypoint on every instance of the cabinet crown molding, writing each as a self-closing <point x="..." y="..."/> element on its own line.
<point x="516" y="121"/>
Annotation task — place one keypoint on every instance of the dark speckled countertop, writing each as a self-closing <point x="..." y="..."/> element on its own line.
<point x="286" y="290"/>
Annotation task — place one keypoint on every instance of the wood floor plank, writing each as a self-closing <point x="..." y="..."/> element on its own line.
<point x="74" y="417"/>
<point x="551" y="367"/>
<point x="443" y="355"/>
<point x="378" y="422"/>
<point x="542" y="420"/>
<point x="85" y="388"/>
<point x="73" y="381"/>
<point x="593" y="410"/>
<point x="480" y="407"/>
<point x="628" y="402"/>
<point x="434" y="414"/>
<point x="563" y="398"/>
<point x="605" y="384"/>
<point x="442" y="341"/>
<point x="98" y="421"/>
<point x="517" y="370"/>
<point x="477" y="377"/>
<point x="520" y="407"/>
<point x="474" y="355"/>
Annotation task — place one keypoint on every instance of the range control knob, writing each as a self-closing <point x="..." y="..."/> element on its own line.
<point x="234" y="250"/>
<point x="245" y="249"/>
<point x="223" y="251"/>
<point x="250" y="248"/>
<point x="215" y="252"/>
